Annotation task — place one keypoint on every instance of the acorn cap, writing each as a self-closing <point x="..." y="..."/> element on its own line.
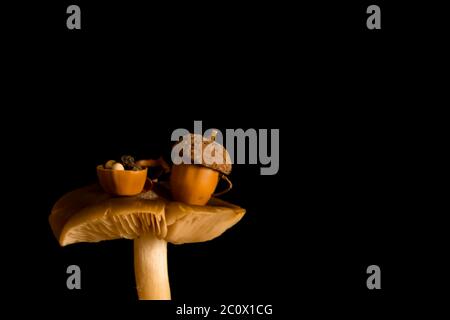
<point x="208" y="158"/>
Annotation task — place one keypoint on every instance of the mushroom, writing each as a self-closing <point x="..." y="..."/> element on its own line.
<point x="151" y="220"/>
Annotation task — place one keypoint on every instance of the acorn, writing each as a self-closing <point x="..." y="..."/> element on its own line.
<point x="196" y="182"/>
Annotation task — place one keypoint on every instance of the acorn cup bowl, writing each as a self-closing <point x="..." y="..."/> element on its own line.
<point x="121" y="182"/>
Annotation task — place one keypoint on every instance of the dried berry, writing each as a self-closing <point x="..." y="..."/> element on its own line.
<point x="128" y="162"/>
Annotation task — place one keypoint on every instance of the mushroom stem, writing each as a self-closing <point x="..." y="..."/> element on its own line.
<point x="150" y="267"/>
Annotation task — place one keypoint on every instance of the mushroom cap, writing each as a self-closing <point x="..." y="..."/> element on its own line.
<point x="90" y="215"/>
<point x="206" y="159"/>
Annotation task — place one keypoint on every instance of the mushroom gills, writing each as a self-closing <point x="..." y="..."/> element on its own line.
<point x="110" y="227"/>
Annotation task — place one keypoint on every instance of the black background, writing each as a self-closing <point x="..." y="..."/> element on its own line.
<point x="344" y="197"/>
